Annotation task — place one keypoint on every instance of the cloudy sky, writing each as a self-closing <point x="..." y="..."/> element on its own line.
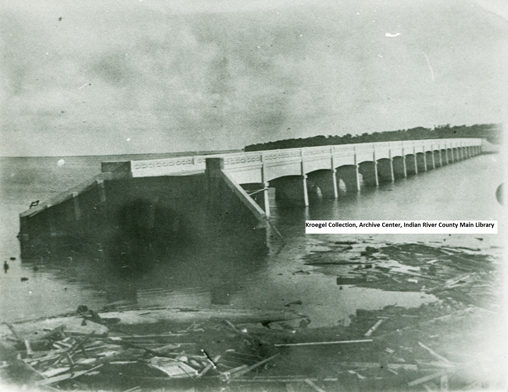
<point x="138" y="76"/>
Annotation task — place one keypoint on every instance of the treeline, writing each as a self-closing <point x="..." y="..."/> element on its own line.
<point x="491" y="132"/>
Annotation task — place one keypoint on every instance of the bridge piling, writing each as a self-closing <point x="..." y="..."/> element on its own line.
<point x="334" y="182"/>
<point x="399" y="167"/>
<point x="305" y="191"/>
<point x="266" y="199"/>
<point x="385" y="170"/>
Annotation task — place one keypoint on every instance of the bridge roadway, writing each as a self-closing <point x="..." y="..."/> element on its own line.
<point x="300" y="174"/>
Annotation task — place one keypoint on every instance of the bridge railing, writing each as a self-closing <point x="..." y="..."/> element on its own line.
<point x="159" y="167"/>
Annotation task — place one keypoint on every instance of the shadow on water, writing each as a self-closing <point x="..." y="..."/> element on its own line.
<point x="152" y="260"/>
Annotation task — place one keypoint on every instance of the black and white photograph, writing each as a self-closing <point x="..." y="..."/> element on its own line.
<point x="233" y="196"/>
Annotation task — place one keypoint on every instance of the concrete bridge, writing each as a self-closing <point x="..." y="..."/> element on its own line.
<point x="167" y="201"/>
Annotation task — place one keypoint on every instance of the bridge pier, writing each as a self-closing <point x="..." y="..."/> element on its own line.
<point x="293" y="190"/>
<point x="368" y="170"/>
<point x="326" y="181"/>
<point x="259" y="192"/>
<point x="431" y="163"/>
<point x="411" y="165"/>
<point x="350" y="175"/>
<point x="437" y="158"/>
<point x="399" y="167"/>
<point x="421" y="162"/>
<point x="385" y="170"/>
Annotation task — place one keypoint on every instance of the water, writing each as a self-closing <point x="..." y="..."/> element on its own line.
<point x="465" y="190"/>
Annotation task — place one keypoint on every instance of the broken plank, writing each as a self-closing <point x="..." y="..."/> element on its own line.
<point x="377" y="365"/>
<point x="66" y="376"/>
<point x="323" y="343"/>
<point x="374" y="327"/>
<point x="433" y="353"/>
<point x="422" y="380"/>
<point x="311" y="384"/>
<point x="283" y="379"/>
<point x="212" y="364"/>
<point x="256" y="365"/>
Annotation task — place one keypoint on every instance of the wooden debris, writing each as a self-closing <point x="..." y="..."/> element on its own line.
<point x="15" y="333"/>
<point x="256" y="365"/>
<point x="374" y="327"/>
<point x="311" y="384"/>
<point x="433" y="353"/>
<point x="433" y="376"/>
<point x="66" y="376"/>
<point x="323" y="343"/>
<point x="376" y="365"/>
<point x="212" y="364"/>
<point x="173" y="368"/>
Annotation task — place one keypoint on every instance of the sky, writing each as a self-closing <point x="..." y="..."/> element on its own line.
<point x="142" y="76"/>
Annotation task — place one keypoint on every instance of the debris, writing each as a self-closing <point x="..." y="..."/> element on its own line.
<point x="212" y="364"/>
<point x="166" y="346"/>
<point x="344" y="280"/>
<point x="323" y="343"/>
<point x="173" y="368"/>
<point x="313" y="386"/>
<point x="433" y="353"/>
<point x="66" y="376"/>
<point x="375" y="365"/>
<point x="256" y="365"/>
<point x="428" y="378"/>
<point x="374" y="327"/>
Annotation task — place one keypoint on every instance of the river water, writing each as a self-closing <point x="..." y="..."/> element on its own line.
<point x="462" y="191"/>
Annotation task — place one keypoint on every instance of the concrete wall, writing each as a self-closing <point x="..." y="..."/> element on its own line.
<point x="135" y="219"/>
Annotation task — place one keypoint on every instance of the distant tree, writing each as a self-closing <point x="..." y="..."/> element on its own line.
<point x="491" y="132"/>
